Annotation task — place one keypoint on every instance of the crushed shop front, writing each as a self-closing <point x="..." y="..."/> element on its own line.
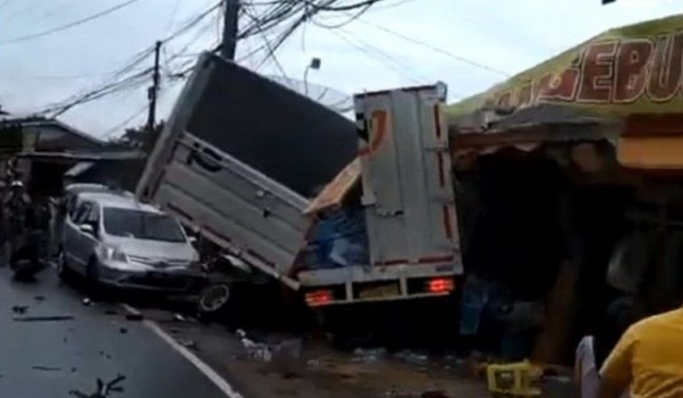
<point x="569" y="187"/>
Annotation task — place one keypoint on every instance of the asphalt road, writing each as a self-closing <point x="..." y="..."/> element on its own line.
<point x="48" y="359"/>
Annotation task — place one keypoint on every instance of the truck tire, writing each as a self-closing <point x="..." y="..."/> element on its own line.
<point x="214" y="300"/>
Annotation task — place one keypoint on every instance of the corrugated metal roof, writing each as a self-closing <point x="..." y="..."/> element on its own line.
<point x="39" y="121"/>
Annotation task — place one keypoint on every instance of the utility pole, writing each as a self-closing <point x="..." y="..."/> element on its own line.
<point x="232" y="8"/>
<point x="153" y="91"/>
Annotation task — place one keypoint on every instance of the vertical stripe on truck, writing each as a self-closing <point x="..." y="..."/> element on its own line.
<point x="437" y="121"/>
<point x="176" y="209"/>
<point x="447" y="222"/>
<point x="218" y="234"/>
<point x="378" y="126"/>
<point x="439" y="155"/>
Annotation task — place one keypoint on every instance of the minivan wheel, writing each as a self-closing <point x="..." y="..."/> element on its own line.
<point x="214" y="299"/>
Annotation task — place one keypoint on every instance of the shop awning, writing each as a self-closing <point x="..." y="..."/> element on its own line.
<point x="629" y="72"/>
<point x="78" y="169"/>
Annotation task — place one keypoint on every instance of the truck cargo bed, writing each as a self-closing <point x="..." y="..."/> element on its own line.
<point x="234" y="205"/>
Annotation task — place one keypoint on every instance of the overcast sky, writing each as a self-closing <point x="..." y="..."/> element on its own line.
<point x="502" y="36"/>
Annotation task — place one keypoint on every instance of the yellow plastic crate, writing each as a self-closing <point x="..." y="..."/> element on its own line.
<point x="520" y="379"/>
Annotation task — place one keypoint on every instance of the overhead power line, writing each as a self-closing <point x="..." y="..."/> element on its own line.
<point x="113" y="130"/>
<point x="118" y="82"/>
<point x="70" y="24"/>
<point x="437" y="49"/>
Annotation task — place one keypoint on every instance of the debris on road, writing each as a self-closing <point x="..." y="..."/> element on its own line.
<point x="434" y="394"/>
<point x="191" y="344"/>
<point x="412" y="358"/>
<point x="135" y="317"/>
<point x="179" y="317"/>
<point x="43" y="318"/>
<point x="257" y="351"/>
<point x="369" y="354"/>
<point x="39" y="298"/>
<point x="104" y="354"/>
<point x="20" y="309"/>
<point x="86" y="301"/>
<point x="46" y="368"/>
<point x="123" y="330"/>
<point x="103" y="389"/>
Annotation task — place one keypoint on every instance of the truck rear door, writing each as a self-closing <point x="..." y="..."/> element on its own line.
<point x="406" y="177"/>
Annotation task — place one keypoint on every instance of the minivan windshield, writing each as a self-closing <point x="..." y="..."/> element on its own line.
<point x="141" y="224"/>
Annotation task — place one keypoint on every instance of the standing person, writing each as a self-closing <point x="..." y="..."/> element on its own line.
<point x="59" y="211"/>
<point x="647" y="360"/>
<point x="15" y="206"/>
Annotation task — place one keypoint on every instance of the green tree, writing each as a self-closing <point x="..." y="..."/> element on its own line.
<point x="139" y="138"/>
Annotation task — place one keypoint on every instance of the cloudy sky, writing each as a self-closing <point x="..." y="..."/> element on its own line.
<point x="469" y="44"/>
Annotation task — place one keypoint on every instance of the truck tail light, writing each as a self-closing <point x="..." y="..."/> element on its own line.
<point x="440" y="285"/>
<point x="318" y="297"/>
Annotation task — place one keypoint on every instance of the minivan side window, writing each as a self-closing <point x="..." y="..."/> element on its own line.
<point x="93" y="216"/>
<point x="71" y="206"/>
<point x="82" y="212"/>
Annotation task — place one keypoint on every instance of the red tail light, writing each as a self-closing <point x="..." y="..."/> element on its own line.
<point x="440" y="285"/>
<point x="318" y="297"/>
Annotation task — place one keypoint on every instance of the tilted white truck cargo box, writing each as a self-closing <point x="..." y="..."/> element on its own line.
<point x="407" y="197"/>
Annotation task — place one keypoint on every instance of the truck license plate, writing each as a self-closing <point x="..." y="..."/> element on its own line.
<point x="382" y="291"/>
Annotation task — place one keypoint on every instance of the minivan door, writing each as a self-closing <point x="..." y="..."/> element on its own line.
<point x="73" y="237"/>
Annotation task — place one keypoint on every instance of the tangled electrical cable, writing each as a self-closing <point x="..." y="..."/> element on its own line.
<point x="128" y="77"/>
<point x="263" y="17"/>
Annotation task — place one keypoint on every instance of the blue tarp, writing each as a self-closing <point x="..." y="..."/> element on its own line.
<point x="340" y="240"/>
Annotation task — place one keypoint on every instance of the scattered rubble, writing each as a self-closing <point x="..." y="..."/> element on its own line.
<point x="369" y="354"/>
<point x="19" y="309"/>
<point x="135" y="317"/>
<point x="257" y="351"/>
<point x="43" y="318"/>
<point x="191" y="344"/>
<point x="412" y="358"/>
<point x="103" y="389"/>
<point x="434" y="394"/>
<point x="46" y="368"/>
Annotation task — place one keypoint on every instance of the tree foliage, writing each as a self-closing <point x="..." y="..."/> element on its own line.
<point x="139" y="138"/>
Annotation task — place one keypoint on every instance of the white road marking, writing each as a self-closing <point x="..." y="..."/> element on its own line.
<point x="211" y="374"/>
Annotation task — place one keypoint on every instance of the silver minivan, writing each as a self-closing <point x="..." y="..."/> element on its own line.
<point x="113" y="239"/>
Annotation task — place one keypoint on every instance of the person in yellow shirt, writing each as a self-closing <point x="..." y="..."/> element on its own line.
<point x="647" y="360"/>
